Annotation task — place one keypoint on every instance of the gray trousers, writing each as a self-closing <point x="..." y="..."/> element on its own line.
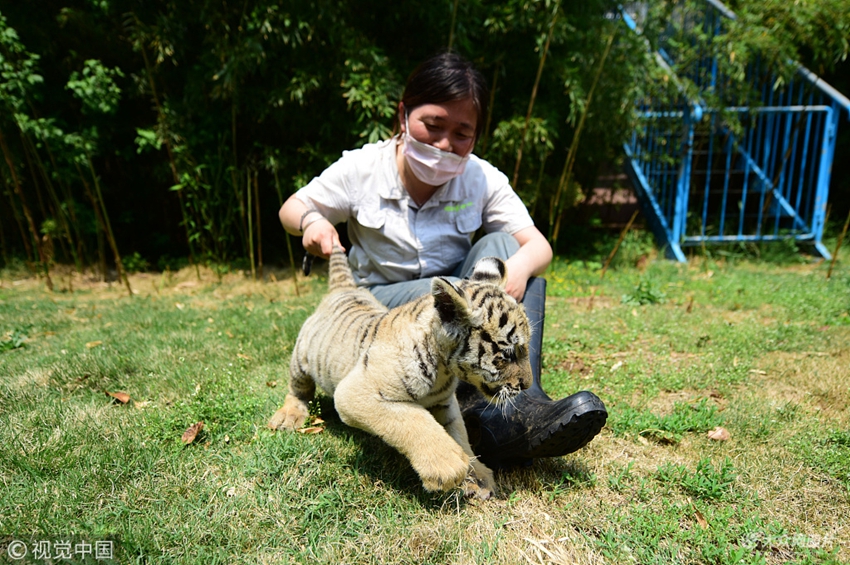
<point x="498" y="244"/>
<point x="501" y="245"/>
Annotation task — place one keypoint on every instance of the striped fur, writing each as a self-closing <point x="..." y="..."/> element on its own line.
<point x="394" y="372"/>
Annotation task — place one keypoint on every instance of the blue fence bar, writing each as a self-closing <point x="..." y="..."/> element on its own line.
<point x="701" y="181"/>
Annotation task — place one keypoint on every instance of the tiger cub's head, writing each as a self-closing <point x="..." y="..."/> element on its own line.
<point x="490" y="329"/>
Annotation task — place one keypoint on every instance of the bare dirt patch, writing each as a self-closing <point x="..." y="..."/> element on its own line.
<point x="816" y="380"/>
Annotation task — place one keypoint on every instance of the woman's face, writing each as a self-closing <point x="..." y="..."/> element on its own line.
<point x="449" y="126"/>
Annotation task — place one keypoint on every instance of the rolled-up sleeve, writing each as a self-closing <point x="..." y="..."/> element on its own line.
<point x="331" y="192"/>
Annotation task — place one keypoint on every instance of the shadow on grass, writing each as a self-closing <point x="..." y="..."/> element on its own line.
<point x="388" y="468"/>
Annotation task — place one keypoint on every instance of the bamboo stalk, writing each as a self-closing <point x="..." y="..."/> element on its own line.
<point x="534" y="92"/>
<point x="563" y="184"/>
<point x="72" y="214"/>
<point x="452" y="27"/>
<point x="17" y="215"/>
<point x="533" y="206"/>
<point x="617" y="245"/>
<point x="174" y="174"/>
<point x="106" y="226"/>
<point x="259" y="226"/>
<point x="27" y="213"/>
<point x="486" y="137"/>
<point x="286" y="235"/>
<point x="101" y="255"/>
<point x="55" y="203"/>
<point x="234" y="174"/>
<point x="35" y="183"/>
<point x="250" y="225"/>
<point x="3" y="249"/>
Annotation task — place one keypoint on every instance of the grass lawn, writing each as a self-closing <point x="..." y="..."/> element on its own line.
<point x="760" y="348"/>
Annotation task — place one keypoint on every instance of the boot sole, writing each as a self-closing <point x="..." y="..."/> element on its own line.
<point x="561" y="437"/>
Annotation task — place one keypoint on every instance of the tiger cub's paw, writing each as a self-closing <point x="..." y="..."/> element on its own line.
<point x="479" y="483"/>
<point x="290" y="416"/>
<point x="444" y="474"/>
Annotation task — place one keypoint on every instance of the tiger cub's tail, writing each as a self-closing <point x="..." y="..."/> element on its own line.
<point x="339" y="273"/>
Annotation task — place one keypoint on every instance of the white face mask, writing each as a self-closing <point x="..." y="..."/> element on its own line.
<point x="429" y="164"/>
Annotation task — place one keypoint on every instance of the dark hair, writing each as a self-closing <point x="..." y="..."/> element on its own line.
<point x="447" y="77"/>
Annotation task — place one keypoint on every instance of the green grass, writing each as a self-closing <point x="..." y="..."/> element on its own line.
<point x="760" y="348"/>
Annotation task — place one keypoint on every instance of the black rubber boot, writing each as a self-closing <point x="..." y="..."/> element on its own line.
<point x="532" y="425"/>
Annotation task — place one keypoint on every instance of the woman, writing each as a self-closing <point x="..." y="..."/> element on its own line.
<point x="413" y="204"/>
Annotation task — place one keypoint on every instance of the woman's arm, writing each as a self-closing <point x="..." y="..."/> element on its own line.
<point x="319" y="236"/>
<point x="532" y="259"/>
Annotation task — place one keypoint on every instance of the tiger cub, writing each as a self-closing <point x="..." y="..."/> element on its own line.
<point x="393" y="373"/>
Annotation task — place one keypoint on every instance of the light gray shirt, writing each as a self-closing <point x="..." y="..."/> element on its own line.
<point x="394" y="240"/>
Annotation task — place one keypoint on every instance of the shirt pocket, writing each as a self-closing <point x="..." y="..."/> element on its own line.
<point x="372" y="219"/>
<point x="468" y="223"/>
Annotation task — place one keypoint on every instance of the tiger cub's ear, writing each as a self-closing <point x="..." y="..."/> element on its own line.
<point x="450" y="302"/>
<point x="490" y="270"/>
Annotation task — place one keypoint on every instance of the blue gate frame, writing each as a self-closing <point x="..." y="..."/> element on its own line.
<point x="700" y="183"/>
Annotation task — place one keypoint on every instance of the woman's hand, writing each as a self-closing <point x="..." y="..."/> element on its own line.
<point x="320" y="237"/>
<point x="532" y="259"/>
<point x="518" y="276"/>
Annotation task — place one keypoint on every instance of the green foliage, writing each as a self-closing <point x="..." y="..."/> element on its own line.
<point x="18" y="69"/>
<point x="135" y="263"/>
<point x="373" y="96"/>
<point x="685" y="417"/>
<point x="146" y="97"/>
<point x="646" y="292"/>
<point x="14" y="338"/>
<point x="96" y="87"/>
<point x="705" y="482"/>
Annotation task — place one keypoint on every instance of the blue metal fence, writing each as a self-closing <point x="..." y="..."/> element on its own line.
<point x="702" y="181"/>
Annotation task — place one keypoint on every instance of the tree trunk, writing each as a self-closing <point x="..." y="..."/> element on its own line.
<point x="249" y="190"/>
<point x="122" y="274"/>
<point x="286" y="235"/>
<point x="563" y="184"/>
<point x="17" y="215"/>
<point x="30" y="222"/>
<point x="534" y="93"/>
<point x="259" y="226"/>
<point x="174" y="175"/>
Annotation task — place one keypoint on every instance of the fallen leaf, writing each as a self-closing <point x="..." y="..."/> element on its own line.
<point x="191" y="433"/>
<point x="719" y="434"/>
<point x="311" y="430"/>
<point x="700" y="519"/>
<point x="121" y="397"/>
<point x="271" y="384"/>
<point x="179" y="306"/>
<point x="243" y="356"/>
<point x="92" y="344"/>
